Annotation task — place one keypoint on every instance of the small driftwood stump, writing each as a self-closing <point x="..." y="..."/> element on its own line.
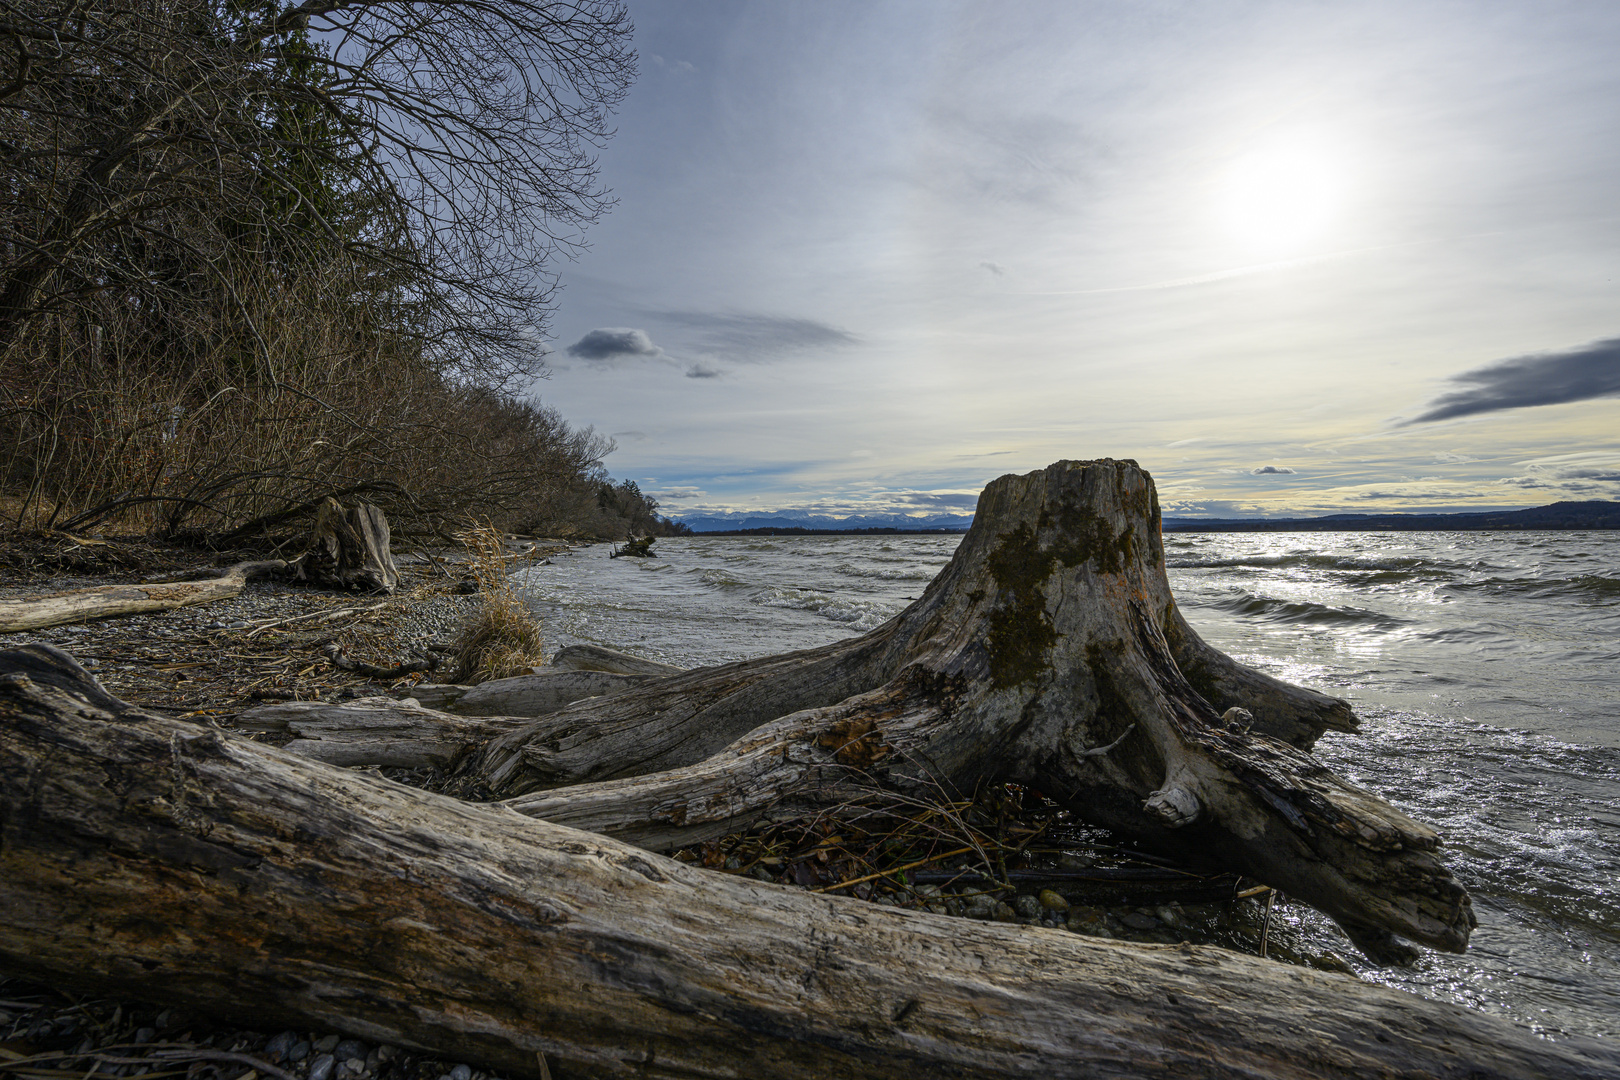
<point x="349" y="549"/>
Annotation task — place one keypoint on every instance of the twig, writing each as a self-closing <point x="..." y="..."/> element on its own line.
<point x="1265" y="927"/>
<point x="330" y="613"/>
<point x="896" y="870"/>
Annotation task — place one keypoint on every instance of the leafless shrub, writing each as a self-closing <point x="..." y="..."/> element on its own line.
<point x="503" y="637"/>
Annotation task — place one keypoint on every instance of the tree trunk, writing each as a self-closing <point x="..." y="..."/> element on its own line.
<point x="107" y="601"/>
<point x="1051" y="634"/>
<point x="153" y="858"/>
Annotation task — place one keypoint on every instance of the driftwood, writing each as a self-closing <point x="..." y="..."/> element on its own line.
<point x="374" y="731"/>
<point x="349" y="549"/>
<point x="108" y="601"/>
<point x="152" y="858"/>
<point x="339" y="658"/>
<point x="597" y="658"/>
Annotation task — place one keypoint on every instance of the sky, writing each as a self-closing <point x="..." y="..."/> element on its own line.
<point x="1292" y="257"/>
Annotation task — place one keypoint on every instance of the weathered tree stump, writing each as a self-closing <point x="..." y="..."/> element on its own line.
<point x="157" y="859"/>
<point x="349" y="549"/>
<point x="1050" y="635"/>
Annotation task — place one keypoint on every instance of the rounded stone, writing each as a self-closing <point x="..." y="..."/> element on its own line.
<point x="1052" y="900"/>
<point x="461" y="1072"/>
<point x="321" y="1067"/>
<point x="1027" y="906"/>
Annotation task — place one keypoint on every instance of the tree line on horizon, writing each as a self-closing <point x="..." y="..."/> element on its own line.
<point x="254" y="253"/>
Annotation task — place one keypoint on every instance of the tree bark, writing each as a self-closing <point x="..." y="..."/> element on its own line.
<point x="1051" y="634"/>
<point x="107" y="601"/>
<point x="152" y="858"/>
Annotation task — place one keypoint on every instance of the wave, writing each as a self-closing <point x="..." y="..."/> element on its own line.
<point x="717" y="578"/>
<point x="1347" y="563"/>
<point x="861" y="614"/>
<point x="1583" y="586"/>
<point x="886" y="573"/>
<point x="1270" y="609"/>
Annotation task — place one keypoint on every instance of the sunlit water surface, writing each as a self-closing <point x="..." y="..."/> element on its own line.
<point x="1485" y="667"/>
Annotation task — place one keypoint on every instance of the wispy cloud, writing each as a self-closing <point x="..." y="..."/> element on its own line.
<point x="1271" y="470"/>
<point x="757" y="338"/>
<point x="1591" y="371"/>
<point x="1591" y="473"/>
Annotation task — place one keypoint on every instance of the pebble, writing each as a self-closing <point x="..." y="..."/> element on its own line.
<point x="461" y="1072"/>
<point x="300" y="1050"/>
<point x="326" y="1045"/>
<point x="145" y="1034"/>
<point x="1004" y="913"/>
<point x="1140" y="920"/>
<point x="321" y="1067"/>
<point x="979" y="907"/>
<point x="279" y="1046"/>
<point x="1052" y="900"/>
<point x="1027" y="907"/>
<point x="350" y="1050"/>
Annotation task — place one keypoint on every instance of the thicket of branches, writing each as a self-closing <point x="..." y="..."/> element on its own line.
<point x="253" y="253"/>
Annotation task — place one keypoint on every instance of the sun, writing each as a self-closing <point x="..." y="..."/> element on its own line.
<point x="1280" y="197"/>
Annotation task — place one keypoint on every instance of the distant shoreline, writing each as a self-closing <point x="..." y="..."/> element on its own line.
<point x="1562" y="517"/>
<point x="797" y="531"/>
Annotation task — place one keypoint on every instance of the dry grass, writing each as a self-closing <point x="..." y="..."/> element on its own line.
<point x="503" y="637"/>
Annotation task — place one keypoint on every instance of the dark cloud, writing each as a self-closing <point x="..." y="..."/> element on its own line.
<point x="995" y="268"/>
<point x="757" y="338"/>
<point x="1592" y="371"/>
<point x="703" y="371"/>
<point x="614" y="343"/>
<point x="1271" y="470"/>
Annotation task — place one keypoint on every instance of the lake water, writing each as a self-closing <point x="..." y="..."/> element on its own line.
<point x="1485" y="668"/>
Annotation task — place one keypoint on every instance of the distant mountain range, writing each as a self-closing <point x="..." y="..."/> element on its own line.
<point x="1563" y="515"/>
<point x="744" y="522"/>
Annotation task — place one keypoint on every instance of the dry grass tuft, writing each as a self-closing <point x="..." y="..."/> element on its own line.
<point x="503" y="637"/>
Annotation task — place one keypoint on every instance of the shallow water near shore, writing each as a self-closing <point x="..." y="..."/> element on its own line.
<point x="1485" y="667"/>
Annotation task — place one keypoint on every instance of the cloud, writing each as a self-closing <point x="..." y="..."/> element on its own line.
<point x="995" y="268"/>
<point x="952" y="499"/>
<point x="758" y="339"/>
<point x="633" y="436"/>
<point x="703" y="371"/>
<point x="679" y="493"/>
<point x="1271" y="470"/>
<point x="612" y="344"/>
<point x="678" y="67"/>
<point x="1408" y="494"/>
<point x="1588" y="473"/>
<point x="1447" y="457"/>
<point x="1591" y="371"/>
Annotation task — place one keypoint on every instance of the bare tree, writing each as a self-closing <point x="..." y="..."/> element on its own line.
<point x="296" y="235"/>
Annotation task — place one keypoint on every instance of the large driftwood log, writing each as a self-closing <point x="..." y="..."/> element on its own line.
<point x="108" y="601"/>
<point x="151" y="858"/>
<point x="1051" y="634"/>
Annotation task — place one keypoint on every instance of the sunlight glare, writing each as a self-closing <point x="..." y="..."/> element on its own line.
<point x="1282" y="196"/>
